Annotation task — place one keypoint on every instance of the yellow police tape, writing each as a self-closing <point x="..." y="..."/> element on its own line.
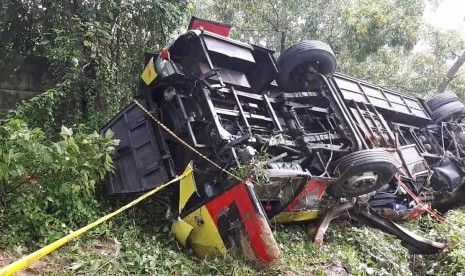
<point x="27" y="260"/>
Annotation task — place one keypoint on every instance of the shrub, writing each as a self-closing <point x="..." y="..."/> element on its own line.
<point x="48" y="187"/>
<point x="451" y="261"/>
<point x="39" y="111"/>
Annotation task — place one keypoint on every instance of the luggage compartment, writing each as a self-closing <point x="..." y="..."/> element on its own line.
<point x="138" y="162"/>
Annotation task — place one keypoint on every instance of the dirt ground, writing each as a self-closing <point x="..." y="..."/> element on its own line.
<point x="59" y="261"/>
<point x="42" y="267"/>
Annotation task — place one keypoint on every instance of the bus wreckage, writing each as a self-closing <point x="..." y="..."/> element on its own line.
<point x="309" y="144"/>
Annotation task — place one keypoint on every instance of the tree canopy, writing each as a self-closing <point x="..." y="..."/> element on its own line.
<point x="385" y="41"/>
<point x="94" y="48"/>
<point x="355" y="27"/>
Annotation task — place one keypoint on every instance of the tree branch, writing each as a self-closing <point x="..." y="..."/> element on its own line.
<point x="269" y="20"/>
<point x="451" y="73"/>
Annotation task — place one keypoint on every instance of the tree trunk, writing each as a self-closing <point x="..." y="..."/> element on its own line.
<point x="451" y="74"/>
<point x="283" y="41"/>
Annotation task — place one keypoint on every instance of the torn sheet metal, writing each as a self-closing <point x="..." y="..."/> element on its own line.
<point x="304" y="207"/>
<point x="231" y="221"/>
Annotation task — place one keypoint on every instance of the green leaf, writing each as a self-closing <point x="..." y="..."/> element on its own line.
<point x="65" y="188"/>
<point x="75" y="188"/>
<point x="109" y="134"/>
<point x="65" y="132"/>
<point x="58" y="148"/>
<point x="73" y="144"/>
<point x="47" y="158"/>
<point x="87" y="43"/>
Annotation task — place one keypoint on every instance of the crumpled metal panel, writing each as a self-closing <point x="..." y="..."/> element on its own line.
<point x="232" y="220"/>
<point x="228" y="49"/>
<point x="447" y="177"/>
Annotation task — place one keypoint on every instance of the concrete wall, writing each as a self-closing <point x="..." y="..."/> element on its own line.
<point x="20" y="79"/>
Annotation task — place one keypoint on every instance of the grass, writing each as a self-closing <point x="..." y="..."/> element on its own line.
<point x="139" y="243"/>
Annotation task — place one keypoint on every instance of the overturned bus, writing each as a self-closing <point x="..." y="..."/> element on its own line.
<point x="283" y="140"/>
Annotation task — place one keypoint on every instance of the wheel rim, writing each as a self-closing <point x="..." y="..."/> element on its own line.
<point x="362" y="172"/>
<point x="361" y="182"/>
<point x="304" y="74"/>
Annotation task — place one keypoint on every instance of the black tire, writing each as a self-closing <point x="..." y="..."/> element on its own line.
<point x="441" y="99"/>
<point x="447" y="112"/>
<point x="378" y="164"/>
<point x="304" y="53"/>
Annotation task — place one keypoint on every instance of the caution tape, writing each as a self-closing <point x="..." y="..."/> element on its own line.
<point x="27" y="260"/>
<point x="170" y="132"/>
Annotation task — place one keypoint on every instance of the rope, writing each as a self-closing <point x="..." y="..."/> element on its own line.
<point x="170" y="132"/>
<point x="433" y="213"/>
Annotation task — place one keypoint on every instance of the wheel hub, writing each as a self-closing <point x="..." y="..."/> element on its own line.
<point x="361" y="181"/>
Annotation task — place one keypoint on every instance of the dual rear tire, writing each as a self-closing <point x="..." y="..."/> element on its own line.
<point x="445" y="107"/>
<point x="299" y="64"/>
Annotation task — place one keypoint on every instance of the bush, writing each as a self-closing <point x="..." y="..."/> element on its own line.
<point x="39" y="111"/>
<point x="451" y="261"/>
<point x="48" y="187"/>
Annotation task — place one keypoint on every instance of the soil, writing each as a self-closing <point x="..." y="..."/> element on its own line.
<point x="43" y="266"/>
